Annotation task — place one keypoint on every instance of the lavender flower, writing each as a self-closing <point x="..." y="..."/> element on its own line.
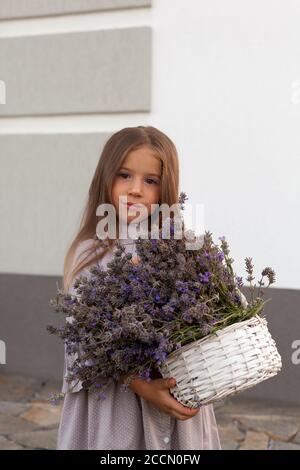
<point x="270" y="275"/>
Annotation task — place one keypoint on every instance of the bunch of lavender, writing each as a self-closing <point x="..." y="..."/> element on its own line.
<point x="128" y="318"/>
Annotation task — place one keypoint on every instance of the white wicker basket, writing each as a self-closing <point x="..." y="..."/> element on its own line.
<point x="223" y="364"/>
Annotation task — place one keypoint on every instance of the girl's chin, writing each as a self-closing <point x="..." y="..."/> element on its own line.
<point x="130" y="218"/>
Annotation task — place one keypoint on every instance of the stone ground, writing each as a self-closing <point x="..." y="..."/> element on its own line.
<point x="29" y="421"/>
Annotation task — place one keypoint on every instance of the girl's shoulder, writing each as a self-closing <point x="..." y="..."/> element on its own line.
<point x="81" y="250"/>
<point x="86" y="250"/>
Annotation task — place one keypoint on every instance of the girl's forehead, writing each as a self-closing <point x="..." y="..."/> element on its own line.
<point x="142" y="159"/>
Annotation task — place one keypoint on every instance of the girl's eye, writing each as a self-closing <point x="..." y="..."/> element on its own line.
<point x="149" y="180"/>
<point x="152" y="181"/>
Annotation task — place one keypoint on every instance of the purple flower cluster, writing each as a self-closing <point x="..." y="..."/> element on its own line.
<point x="129" y="317"/>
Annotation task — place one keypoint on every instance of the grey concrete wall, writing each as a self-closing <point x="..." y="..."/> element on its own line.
<point x="25" y="312"/>
<point x="29" y="8"/>
<point x="99" y="71"/>
<point x="282" y="313"/>
<point x="43" y="186"/>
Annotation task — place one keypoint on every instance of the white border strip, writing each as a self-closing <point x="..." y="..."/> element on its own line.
<point x="72" y="123"/>
<point x="129" y="18"/>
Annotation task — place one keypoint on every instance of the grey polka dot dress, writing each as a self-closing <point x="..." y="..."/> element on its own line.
<point x="124" y="420"/>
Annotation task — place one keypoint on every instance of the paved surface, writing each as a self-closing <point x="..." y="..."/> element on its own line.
<point x="246" y="424"/>
<point x="29" y="421"/>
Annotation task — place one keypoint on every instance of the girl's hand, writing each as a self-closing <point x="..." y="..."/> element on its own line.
<point x="135" y="259"/>
<point x="157" y="392"/>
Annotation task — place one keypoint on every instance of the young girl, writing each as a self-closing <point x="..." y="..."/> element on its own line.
<point x="140" y="163"/>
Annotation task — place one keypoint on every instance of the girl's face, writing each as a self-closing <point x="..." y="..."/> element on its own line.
<point x="139" y="179"/>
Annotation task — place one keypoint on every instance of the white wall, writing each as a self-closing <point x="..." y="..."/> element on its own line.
<point x="225" y="89"/>
<point x="222" y="88"/>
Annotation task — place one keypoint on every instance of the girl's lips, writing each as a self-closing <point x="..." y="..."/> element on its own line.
<point x="131" y="204"/>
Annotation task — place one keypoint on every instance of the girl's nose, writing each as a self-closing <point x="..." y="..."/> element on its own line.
<point x="136" y="188"/>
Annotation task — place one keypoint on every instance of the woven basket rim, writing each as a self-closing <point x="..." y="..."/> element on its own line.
<point x="255" y="319"/>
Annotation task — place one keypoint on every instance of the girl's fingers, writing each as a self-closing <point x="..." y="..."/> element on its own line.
<point x="179" y="408"/>
<point x="184" y="410"/>
<point x="165" y="383"/>
<point x="175" y="408"/>
<point x="135" y="259"/>
<point x="186" y="414"/>
<point x="171" y="382"/>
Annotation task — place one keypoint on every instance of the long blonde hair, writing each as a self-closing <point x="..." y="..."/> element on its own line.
<point x="113" y="154"/>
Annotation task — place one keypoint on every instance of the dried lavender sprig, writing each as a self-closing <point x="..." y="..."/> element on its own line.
<point x="270" y="274"/>
<point x="181" y="200"/>
<point x="250" y="277"/>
